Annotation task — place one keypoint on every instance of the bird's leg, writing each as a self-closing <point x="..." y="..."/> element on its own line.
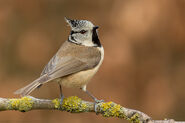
<point x="61" y="95"/>
<point x="96" y="101"/>
<point x="94" y="98"/>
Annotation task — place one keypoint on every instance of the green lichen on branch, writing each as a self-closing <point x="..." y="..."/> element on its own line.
<point x="23" y="104"/>
<point x="111" y="109"/>
<point x="134" y="118"/>
<point x="70" y="104"/>
<point x="56" y="103"/>
<point x="75" y="105"/>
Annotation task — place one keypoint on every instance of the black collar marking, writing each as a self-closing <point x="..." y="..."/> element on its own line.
<point x="73" y="41"/>
<point x="95" y="38"/>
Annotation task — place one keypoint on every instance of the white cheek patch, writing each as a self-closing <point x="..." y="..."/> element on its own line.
<point x="88" y="40"/>
<point x="84" y="39"/>
<point x="87" y="43"/>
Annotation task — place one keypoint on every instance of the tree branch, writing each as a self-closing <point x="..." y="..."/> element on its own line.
<point x="76" y="105"/>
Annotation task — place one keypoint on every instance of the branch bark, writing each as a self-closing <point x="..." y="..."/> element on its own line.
<point x="76" y="105"/>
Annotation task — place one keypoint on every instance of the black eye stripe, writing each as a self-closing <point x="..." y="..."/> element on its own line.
<point x="82" y="32"/>
<point x="72" y="32"/>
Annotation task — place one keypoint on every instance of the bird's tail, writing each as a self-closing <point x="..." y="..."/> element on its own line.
<point x="30" y="87"/>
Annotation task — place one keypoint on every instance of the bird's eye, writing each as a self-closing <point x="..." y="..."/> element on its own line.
<point x="83" y="31"/>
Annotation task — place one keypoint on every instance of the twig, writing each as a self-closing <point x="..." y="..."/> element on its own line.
<point x="76" y="105"/>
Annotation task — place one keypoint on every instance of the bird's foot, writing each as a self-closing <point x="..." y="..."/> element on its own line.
<point x="95" y="104"/>
<point x="61" y="100"/>
<point x="96" y="101"/>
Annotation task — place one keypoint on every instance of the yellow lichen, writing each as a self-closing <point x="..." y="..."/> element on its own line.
<point x="56" y="103"/>
<point x="83" y="106"/>
<point x="24" y="104"/>
<point x="111" y="109"/>
<point x="135" y="118"/>
<point x="106" y="106"/>
<point x="70" y="104"/>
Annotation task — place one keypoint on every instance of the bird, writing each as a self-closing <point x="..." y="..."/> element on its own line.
<point x="76" y="61"/>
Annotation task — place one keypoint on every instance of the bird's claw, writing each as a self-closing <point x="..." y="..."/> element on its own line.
<point x="96" y="106"/>
<point x="98" y="101"/>
<point x="61" y="100"/>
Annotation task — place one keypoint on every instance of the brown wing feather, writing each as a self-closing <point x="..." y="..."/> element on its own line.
<point x="70" y="58"/>
<point x="69" y="66"/>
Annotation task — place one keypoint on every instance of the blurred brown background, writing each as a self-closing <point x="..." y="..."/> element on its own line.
<point x="144" y="66"/>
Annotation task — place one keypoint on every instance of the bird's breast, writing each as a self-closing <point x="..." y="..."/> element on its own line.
<point x="78" y="79"/>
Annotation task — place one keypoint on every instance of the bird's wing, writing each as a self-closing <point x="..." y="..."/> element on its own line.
<point x="66" y="67"/>
<point x="65" y="63"/>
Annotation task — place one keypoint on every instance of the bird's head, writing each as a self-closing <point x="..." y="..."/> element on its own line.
<point x="83" y="32"/>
